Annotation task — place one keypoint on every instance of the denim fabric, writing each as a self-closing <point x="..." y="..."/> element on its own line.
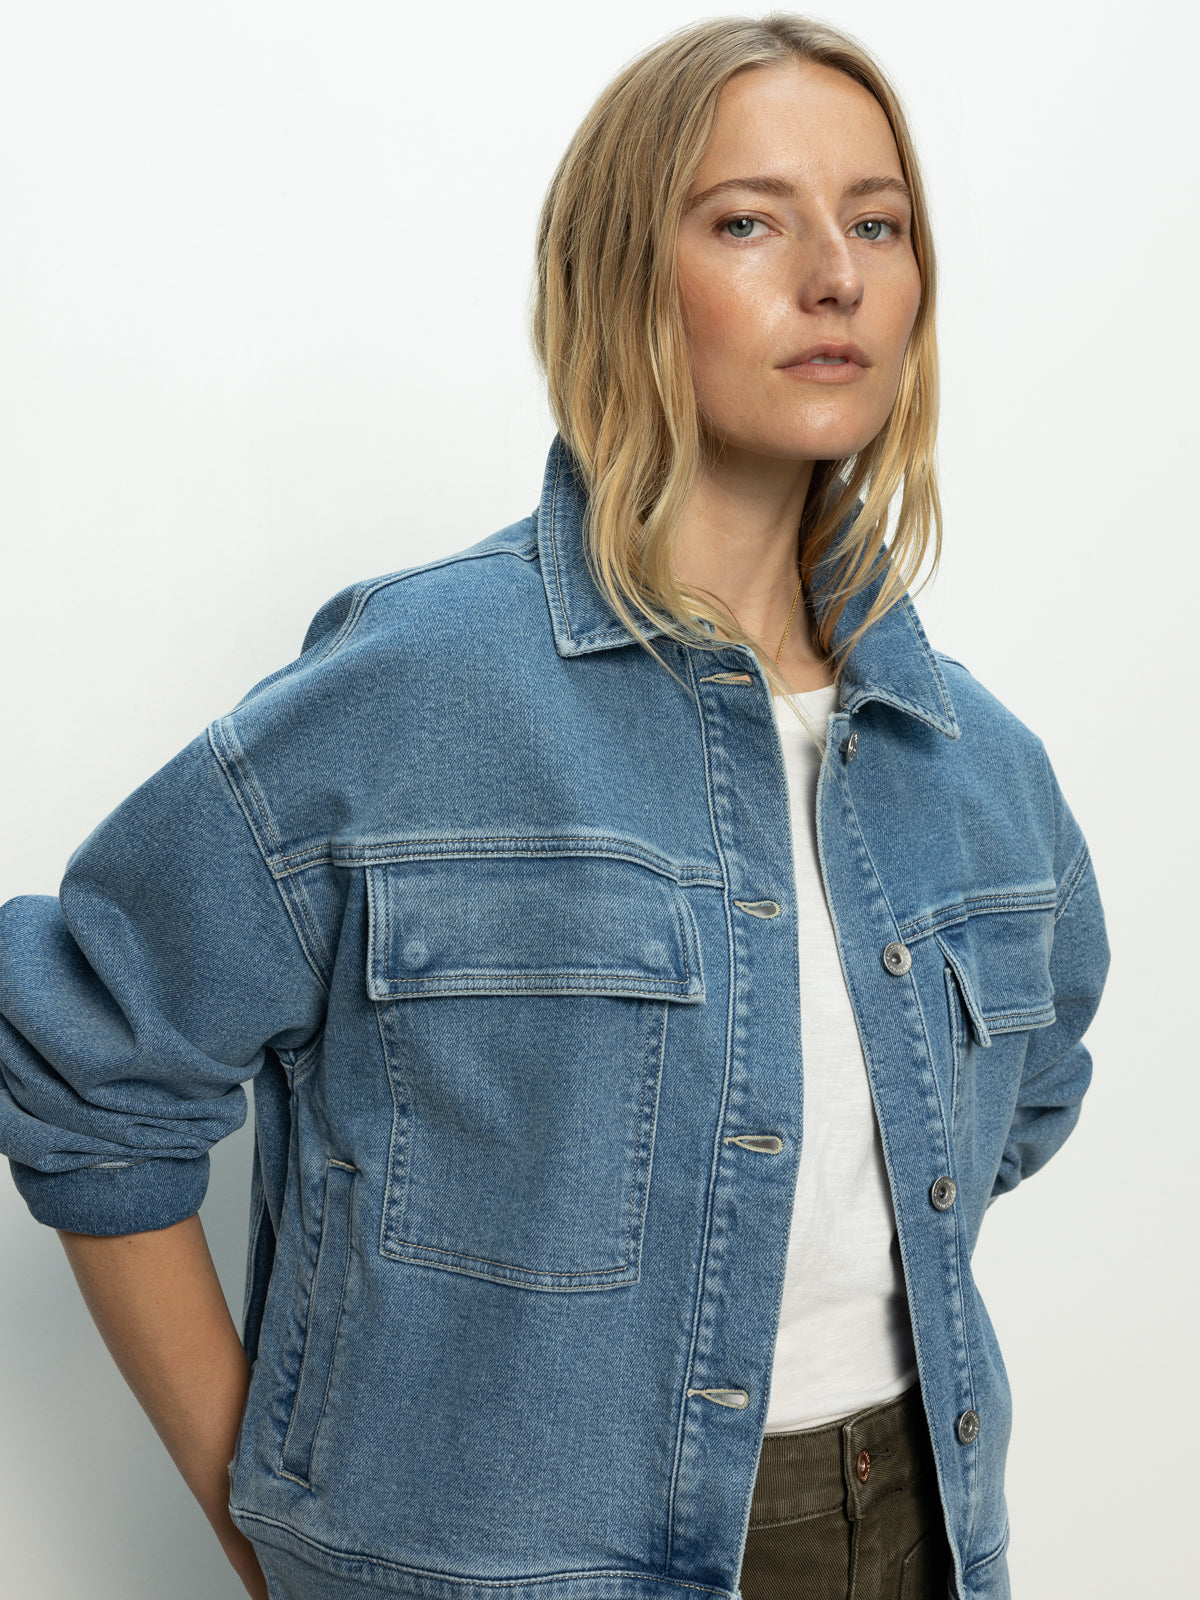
<point x="498" y="917"/>
<point x="848" y="1511"/>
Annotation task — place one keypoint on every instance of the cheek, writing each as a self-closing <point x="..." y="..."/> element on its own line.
<point x="728" y="322"/>
<point x="909" y="303"/>
<point x="896" y="307"/>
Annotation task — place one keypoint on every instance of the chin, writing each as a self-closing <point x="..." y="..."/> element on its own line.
<point x="807" y="438"/>
<point x="802" y="444"/>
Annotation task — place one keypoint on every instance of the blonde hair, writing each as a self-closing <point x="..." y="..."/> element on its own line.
<point x="608" y="333"/>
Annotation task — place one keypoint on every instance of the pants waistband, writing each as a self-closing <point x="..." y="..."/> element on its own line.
<point x="848" y="1465"/>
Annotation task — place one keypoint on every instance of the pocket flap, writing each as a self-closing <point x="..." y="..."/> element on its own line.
<point x="1001" y="960"/>
<point x="525" y="924"/>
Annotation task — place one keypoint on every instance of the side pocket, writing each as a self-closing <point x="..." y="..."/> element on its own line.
<point x="925" y="1570"/>
<point x="324" y="1314"/>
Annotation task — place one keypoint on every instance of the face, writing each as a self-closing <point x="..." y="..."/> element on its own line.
<point x="803" y="245"/>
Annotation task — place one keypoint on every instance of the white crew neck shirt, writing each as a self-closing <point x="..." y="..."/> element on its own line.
<point x="845" y="1339"/>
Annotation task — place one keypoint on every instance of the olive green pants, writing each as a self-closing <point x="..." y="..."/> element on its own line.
<point x="849" y="1511"/>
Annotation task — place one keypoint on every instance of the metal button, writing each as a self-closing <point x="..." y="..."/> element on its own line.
<point x="863" y="1465"/>
<point x="968" y="1427"/>
<point x="943" y="1192"/>
<point x="897" y="959"/>
<point x="852" y="746"/>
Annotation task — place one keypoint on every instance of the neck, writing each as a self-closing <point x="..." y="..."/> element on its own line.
<point x="738" y="539"/>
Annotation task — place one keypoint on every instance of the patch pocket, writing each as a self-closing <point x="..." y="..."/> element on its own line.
<point x="525" y="1058"/>
<point x="1000" y="959"/>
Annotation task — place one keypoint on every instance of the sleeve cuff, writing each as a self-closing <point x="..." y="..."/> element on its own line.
<point x="115" y="1200"/>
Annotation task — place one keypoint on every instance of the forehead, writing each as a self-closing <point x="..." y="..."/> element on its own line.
<point x="800" y="117"/>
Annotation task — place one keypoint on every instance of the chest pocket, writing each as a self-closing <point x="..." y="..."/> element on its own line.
<point x="1001" y="961"/>
<point x="997" y="968"/>
<point x="523" y="1003"/>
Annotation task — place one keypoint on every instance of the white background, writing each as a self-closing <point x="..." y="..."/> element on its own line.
<point x="263" y="294"/>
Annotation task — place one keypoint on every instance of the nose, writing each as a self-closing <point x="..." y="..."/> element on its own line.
<point x="827" y="272"/>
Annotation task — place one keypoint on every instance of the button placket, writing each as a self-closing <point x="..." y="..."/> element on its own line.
<point x="765" y="1143"/>
<point x="760" y="1143"/>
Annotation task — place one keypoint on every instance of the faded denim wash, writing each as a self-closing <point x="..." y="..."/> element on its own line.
<point x="499" y="919"/>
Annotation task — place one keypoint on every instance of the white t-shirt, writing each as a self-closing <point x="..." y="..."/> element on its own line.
<point x="845" y="1339"/>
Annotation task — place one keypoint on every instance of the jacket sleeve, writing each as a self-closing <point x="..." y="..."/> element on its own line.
<point x="135" y="1005"/>
<point x="1058" y="1066"/>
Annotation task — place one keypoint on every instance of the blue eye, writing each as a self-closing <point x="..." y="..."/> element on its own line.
<point x="744" y="225"/>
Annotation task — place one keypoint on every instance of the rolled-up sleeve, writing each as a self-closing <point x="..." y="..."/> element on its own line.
<point x="135" y="1005"/>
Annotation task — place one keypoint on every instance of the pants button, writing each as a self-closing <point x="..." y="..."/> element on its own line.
<point x="863" y="1465"/>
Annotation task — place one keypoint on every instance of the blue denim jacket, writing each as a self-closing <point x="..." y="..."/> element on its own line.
<point x="498" y="918"/>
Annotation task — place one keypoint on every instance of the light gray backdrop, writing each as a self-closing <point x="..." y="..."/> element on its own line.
<point x="263" y="292"/>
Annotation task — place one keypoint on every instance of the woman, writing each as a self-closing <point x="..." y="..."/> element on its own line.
<point x="634" y="1060"/>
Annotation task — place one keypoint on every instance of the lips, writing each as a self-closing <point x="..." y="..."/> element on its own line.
<point x="844" y="352"/>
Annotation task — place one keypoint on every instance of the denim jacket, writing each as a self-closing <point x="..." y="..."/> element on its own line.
<point x="498" y="917"/>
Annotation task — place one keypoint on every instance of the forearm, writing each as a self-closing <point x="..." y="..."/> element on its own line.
<point x="158" y="1304"/>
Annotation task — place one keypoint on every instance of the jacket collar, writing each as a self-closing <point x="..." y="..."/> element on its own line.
<point x="892" y="663"/>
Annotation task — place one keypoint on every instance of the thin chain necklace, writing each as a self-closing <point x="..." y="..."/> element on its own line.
<point x="803" y="720"/>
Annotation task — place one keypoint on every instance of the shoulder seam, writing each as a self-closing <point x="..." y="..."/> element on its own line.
<point x="1072" y="877"/>
<point x="232" y="759"/>
<point x="372" y="586"/>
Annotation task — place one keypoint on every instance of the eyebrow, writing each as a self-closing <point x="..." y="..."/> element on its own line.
<point x="783" y="190"/>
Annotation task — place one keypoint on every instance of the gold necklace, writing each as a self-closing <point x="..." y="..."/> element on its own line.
<point x="803" y="720"/>
<point x="791" y="614"/>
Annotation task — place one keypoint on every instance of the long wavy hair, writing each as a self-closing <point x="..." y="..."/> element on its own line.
<point x="607" y="329"/>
